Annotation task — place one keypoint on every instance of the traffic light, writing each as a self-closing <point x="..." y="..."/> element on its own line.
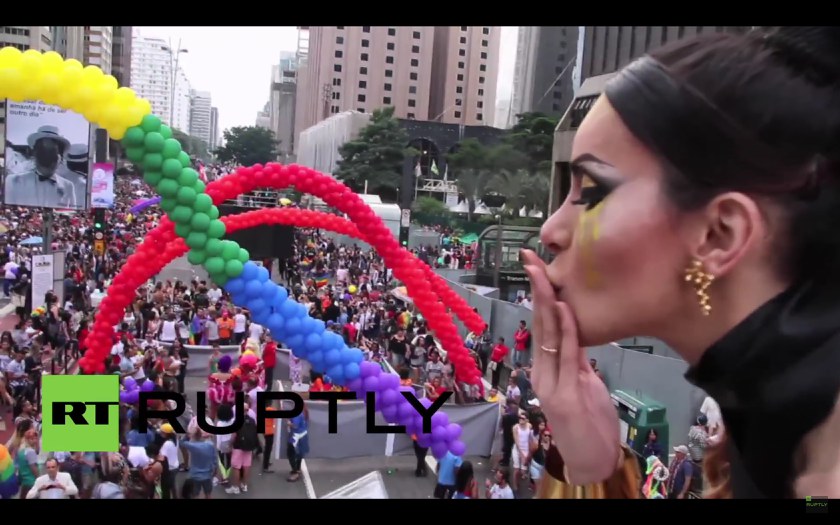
<point x="404" y="237"/>
<point x="99" y="220"/>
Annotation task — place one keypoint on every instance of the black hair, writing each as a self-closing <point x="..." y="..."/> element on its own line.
<point x="757" y="113"/>
<point x="463" y="476"/>
<point x="224" y="412"/>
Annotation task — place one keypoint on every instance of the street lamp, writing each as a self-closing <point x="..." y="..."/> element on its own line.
<point x="174" y="55"/>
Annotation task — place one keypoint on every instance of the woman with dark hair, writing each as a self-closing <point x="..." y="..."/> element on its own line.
<point x="703" y="211"/>
<point x="465" y="485"/>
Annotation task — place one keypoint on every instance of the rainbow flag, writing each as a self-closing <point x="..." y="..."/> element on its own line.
<point x="321" y="280"/>
<point x="8" y="479"/>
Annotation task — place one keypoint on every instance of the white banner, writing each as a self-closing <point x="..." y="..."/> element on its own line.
<point x="42" y="278"/>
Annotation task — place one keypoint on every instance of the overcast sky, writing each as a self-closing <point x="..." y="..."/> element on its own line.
<point x="234" y="64"/>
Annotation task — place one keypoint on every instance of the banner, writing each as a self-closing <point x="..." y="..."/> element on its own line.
<point x="102" y="186"/>
<point x="42" y="278"/>
<point x="47" y="150"/>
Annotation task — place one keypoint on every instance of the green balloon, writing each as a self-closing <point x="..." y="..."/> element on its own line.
<point x="153" y="161"/>
<point x="186" y="196"/>
<point x="134" y="137"/>
<point x="216" y="230"/>
<point x="168" y="204"/>
<point x="233" y="268"/>
<point x="167" y="188"/>
<point x="219" y="279"/>
<point x="154" y="142"/>
<point x="171" y="168"/>
<point x="185" y="159"/>
<point x="197" y="256"/>
<point x="135" y="154"/>
<point x="200" y="221"/>
<point x="196" y="240"/>
<point x="181" y="214"/>
<point x="152" y="178"/>
<point x="213" y="213"/>
<point x="244" y="256"/>
<point x="215" y="265"/>
<point x="166" y="131"/>
<point x="171" y="149"/>
<point x="230" y="251"/>
<point x="199" y="186"/>
<point x="187" y="177"/>
<point x="182" y="230"/>
<point x="214" y="247"/>
<point x="150" y="124"/>
<point x="203" y="203"/>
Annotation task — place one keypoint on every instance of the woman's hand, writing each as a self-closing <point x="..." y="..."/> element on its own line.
<point x="575" y="401"/>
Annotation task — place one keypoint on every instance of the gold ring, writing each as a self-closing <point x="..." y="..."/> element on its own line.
<point x="549" y="350"/>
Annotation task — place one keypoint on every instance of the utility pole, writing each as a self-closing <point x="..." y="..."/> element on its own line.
<point x="174" y="56"/>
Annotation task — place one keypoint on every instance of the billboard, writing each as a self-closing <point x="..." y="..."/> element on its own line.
<point x="102" y="186"/>
<point x="47" y="151"/>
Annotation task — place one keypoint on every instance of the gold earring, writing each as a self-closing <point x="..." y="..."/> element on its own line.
<point x="701" y="280"/>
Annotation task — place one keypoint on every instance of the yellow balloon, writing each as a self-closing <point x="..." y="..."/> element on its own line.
<point x="73" y="64"/>
<point x="125" y="95"/>
<point x="352" y="288"/>
<point x="132" y="115"/>
<point x="92" y="74"/>
<point x="117" y="133"/>
<point x="111" y="82"/>
<point x="10" y="57"/>
<point x="145" y="106"/>
<point x="50" y="88"/>
<point x="11" y="79"/>
<point x="31" y="62"/>
<point x="51" y="59"/>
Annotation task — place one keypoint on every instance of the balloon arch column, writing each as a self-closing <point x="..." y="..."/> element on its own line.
<point x="193" y="225"/>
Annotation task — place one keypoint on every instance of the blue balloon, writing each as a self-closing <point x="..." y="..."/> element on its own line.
<point x="319" y="326"/>
<point x="235" y="285"/>
<point x="332" y="357"/>
<point x="282" y="293"/>
<point x="296" y="343"/>
<point x="289" y="310"/>
<point x="249" y="271"/>
<point x="352" y="371"/>
<point x="308" y="325"/>
<point x="332" y="340"/>
<point x="352" y="355"/>
<point x="253" y="289"/>
<point x="301" y="311"/>
<point x="260" y="316"/>
<point x="314" y="342"/>
<point x="275" y="323"/>
<point x="336" y="373"/>
<point x="293" y="326"/>
<point x="316" y="360"/>
<point x="257" y="306"/>
<point x="269" y="290"/>
<point x="262" y="274"/>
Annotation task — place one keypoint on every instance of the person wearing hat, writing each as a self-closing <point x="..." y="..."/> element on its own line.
<point x="681" y="472"/>
<point x="42" y="185"/>
<point x="77" y="167"/>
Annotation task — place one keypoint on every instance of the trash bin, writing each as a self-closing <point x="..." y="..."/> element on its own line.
<point x="639" y="414"/>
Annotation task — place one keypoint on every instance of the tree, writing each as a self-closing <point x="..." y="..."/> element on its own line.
<point x="192" y="146"/>
<point x="533" y="135"/>
<point x="431" y="206"/>
<point x="472" y="170"/>
<point x="248" y="145"/>
<point x="375" y="156"/>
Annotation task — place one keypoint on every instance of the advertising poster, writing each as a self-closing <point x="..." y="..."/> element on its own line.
<point x="102" y="186"/>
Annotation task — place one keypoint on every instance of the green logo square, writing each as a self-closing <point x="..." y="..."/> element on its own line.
<point x="80" y="413"/>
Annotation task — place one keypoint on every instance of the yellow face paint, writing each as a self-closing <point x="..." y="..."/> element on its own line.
<point x="590" y="231"/>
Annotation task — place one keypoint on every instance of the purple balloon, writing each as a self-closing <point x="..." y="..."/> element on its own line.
<point x="390" y="414"/>
<point x="453" y="432"/>
<point x="392" y="381"/>
<point x="133" y="397"/>
<point x="355" y="384"/>
<point x="129" y="383"/>
<point x="368" y="369"/>
<point x="411" y="425"/>
<point x="390" y="398"/>
<point x="458" y="448"/>
<point x="424" y="440"/>
<point x="439" y="449"/>
<point x="147" y="386"/>
<point x="406" y="411"/>
<point x="440" y="419"/>
<point x="140" y="206"/>
<point x="407" y="389"/>
<point x="124" y="398"/>
<point x="426" y="402"/>
<point x="371" y="384"/>
<point x="439" y="434"/>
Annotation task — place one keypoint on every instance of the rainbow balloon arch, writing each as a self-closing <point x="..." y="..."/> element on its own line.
<point x="192" y="225"/>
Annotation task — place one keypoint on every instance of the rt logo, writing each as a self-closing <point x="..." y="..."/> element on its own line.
<point x="81" y="413"/>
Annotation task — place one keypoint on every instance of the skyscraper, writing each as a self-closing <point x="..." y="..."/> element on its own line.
<point x="182" y="102"/>
<point x="446" y="74"/>
<point x="282" y="104"/>
<point x="545" y="58"/>
<point x="214" y="128"/>
<point x="121" y="55"/>
<point x="151" y="73"/>
<point x="99" y="41"/>
<point x="69" y="41"/>
<point x="200" y="116"/>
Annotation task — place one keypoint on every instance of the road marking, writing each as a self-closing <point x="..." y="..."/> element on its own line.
<point x="6" y="310"/>
<point x="307" y="481"/>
